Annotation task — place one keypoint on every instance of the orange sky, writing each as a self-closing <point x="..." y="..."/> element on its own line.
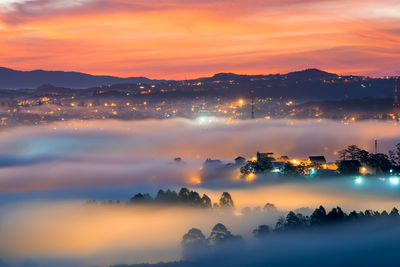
<point x="179" y="39"/>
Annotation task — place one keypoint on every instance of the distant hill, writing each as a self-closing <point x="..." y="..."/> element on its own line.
<point x="303" y="75"/>
<point x="304" y="85"/>
<point x="13" y="79"/>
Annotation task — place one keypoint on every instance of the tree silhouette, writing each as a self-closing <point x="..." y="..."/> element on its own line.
<point x="394" y="212"/>
<point x="184" y="194"/>
<point x="226" y="200"/>
<point x="220" y="234"/>
<point x="261" y="231"/>
<point x="270" y="208"/>
<point x="318" y="216"/>
<point x="141" y="198"/>
<point x="205" y="202"/>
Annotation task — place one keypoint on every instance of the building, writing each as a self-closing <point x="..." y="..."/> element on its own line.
<point x="240" y="161"/>
<point x="263" y="156"/>
<point x="212" y="162"/>
<point x="316" y="160"/>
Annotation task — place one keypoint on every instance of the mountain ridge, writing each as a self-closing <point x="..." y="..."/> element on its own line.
<point x="16" y="79"/>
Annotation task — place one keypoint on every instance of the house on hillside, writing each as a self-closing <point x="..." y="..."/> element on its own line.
<point x="316" y="160"/>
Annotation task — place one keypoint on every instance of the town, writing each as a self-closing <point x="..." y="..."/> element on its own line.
<point x="352" y="161"/>
<point x="228" y="96"/>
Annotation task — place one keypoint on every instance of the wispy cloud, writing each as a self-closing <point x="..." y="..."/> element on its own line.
<point x="181" y="39"/>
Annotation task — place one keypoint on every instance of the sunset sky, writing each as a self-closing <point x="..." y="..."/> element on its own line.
<point x="180" y="39"/>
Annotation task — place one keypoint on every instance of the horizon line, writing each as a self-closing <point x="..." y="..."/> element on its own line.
<point x="209" y="75"/>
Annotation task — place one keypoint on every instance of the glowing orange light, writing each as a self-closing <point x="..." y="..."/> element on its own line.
<point x="250" y="177"/>
<point x="195" y="180"/>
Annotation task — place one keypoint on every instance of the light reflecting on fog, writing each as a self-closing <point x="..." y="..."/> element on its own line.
<point x="48" y="172"/>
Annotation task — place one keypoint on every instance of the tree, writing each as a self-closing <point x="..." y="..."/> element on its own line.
<point x="226" y="200"/>
<point x="270" y="208"/>
<point x="293" y="221"/>
<point x="141" y="198"/>
<point x="335" y="215"/>
<point x="167" y="196"/>
<point x="395" y="155"/>
<point x="184" y="194"/>
<point x="193" y="244"/>
<point x="220" y="234"/>
<point x="349" y="167"/>
<point x="394" y="212"/>
<point x="261" y="231"/>
<point x="318" y="217"/>
<point x="353" y="151"/>
<point x="205" y="201"/>
<point x="353" y="215"/>
<point x="256" y="167"/>
<point x="194" y="238"/>
<point x="380" y="162"/>
<point x="363" y="156"/>
<point x="194" y="199"/>
<point x="289" y="169"/>
<point x="280" y="224"/>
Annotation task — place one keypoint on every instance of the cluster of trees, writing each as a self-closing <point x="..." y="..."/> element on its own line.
<point x="255" y="167"/>
<point x="320" y="218"/>
<point x="195" y="241"/>
<point x="351" y="158"/>
<point x="171" y="197"/>
<point x="184" y="196"/>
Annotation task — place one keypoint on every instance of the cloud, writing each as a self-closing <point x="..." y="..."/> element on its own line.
<point x="182" y="39"/>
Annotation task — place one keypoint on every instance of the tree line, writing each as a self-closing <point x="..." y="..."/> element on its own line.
<point x="320" y="217"/>
<point x="170" y="197"/>
<point x="194" y="239"/>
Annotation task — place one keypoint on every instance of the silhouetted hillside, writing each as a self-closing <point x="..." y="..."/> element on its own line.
<point x="305" y="85"/>
<point x="13" y="79"/>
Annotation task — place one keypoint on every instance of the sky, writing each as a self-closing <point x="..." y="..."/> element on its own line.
<point x="181" y="39"/>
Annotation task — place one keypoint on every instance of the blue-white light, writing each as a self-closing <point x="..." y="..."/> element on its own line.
<point x="205" y="120"/>
<point x="394" y="180"/>
<point x="358" y="180"/>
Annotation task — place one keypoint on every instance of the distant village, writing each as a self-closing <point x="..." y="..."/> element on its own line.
<point x="351" y="161"/>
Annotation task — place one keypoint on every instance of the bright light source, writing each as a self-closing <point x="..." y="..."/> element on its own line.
<point x="205" y="119"/>
<point x="363" y="170"/>
<point x="250" y="177"/>
<point x="359" y="180"/>
<point x="394" y="180"/>
<point x="195" y="180"/>
<point x="295" y="162"/>
<point x="275" y="170"/>
<point x="313" y="171"/>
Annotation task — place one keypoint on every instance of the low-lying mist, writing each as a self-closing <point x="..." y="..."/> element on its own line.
<point x="88" y="154"/>
<point x="76" y="234"/>
<point x="48" y="172"/>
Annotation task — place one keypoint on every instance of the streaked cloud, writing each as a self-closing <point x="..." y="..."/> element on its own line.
<point x="182" y="39"/>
